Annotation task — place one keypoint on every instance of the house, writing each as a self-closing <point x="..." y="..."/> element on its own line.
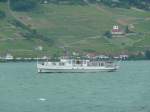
<point x="117" y="32"/>
<point x="45" y="57"/>
<point x="44" y="2"/>
<point x="124" y="57"/>
<point x="102" y="57"/>
<point x="39" y="48"/>
<point x="91" y="55"/>
<point x="9" y="57"/>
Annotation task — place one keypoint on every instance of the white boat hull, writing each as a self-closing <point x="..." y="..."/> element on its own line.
<point x="46" y="69"/>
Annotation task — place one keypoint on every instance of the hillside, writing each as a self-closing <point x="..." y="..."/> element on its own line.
<point x="74" y="27"/>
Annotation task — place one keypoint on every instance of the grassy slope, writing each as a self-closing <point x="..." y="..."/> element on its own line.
<point x="77" y="28"/>
<point x="11" y="41"/>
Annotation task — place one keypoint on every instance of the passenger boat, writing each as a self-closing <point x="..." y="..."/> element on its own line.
<point x="76" y="65"/>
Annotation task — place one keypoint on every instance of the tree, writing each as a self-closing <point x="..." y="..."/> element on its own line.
<point x="2" y="14"/>
<point x="3" y="0"/>
<point x="147" y="54"/>
<point x="127" y="29"/>
<point x="108" y="34"/>
<point x="23" y="5"/>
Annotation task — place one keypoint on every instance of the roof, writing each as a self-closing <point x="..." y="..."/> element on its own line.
<point x="116" y="30"/>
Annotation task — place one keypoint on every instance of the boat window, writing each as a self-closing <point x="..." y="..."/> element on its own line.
<point x="78" y="62"/>
<point x="54" y="63"/>
<point x="61" y="64"/>
<point x="69" y="61"/>
<point x="102" y="64"/>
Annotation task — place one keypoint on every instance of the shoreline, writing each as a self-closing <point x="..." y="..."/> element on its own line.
<point x="41" y="60"/>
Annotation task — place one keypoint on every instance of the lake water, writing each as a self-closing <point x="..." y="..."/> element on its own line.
<point x="22" y="89"/>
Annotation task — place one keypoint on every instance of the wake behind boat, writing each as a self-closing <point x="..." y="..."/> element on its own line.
<point x="76" y="65"/>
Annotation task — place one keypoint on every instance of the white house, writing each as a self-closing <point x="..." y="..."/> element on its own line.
<point x="9" y="57"/>
<point x="39" y="48"/>
<point x="117" y="31"/>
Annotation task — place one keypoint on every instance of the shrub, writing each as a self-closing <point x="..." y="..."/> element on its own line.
<point x="147" y="54"/>
<point x="23" y="5"/>
<point x="108" y="34"/>
<point x="3" y="0"/>
<point x="2" y="14"/>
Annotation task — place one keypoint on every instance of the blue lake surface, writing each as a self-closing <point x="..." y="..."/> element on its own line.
<point x="22" y="89"/>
